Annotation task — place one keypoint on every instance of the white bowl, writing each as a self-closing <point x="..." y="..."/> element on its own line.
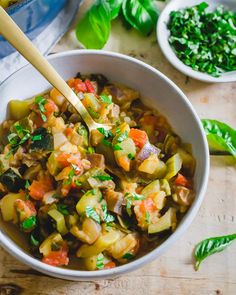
<point x="157" y="91"/>
<point x="163" y="36"/>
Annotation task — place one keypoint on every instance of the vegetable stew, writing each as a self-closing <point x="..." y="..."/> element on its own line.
<point x="100" y="202"/>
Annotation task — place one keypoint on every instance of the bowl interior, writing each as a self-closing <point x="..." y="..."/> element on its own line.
<point x="156" y="91"/>
<point x="163" y="35"/>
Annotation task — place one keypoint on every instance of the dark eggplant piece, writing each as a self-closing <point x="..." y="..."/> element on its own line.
<point x="12" y="180"/>
<point x="44" y="141"/>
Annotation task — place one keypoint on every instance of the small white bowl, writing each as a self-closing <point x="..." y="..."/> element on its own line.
<point x="157" y="91"/>
<point x="163" y="36"/>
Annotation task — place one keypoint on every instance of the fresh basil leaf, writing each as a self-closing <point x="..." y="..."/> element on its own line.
<point x="94" y="28"/>
<point x="210" y="246"/>
<point x="140" y="14"/>
<point x="221" y="137"/>
<point x="115" y="6"/>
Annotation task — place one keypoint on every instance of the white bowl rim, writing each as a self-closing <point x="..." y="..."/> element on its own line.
<point x="174" y="60"/>
<point x="69" y="274"/>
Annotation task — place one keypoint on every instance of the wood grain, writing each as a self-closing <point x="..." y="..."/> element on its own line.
<point x="173" y="273"/>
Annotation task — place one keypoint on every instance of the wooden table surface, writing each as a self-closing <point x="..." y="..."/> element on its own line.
<point x="173" y="272"/>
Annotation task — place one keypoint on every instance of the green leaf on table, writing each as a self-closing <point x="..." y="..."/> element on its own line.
<point x="210" y="246"/>
<point x="140" y="14"/>
<point x="221" y="137"/>
<point x="93" y="29"/>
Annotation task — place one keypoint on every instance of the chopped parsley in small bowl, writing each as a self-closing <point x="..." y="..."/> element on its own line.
<point x="200" y="39"/>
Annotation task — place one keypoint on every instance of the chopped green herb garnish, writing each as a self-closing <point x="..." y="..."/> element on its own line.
<point x="19" y="128"/>
<point x="37" y="137"/>
<point x="137" y="197"/>
<point x="70" y="177"/>
<point x="27" y="196"/>
<point x="34" y="242"/>
<point x="29" y="223"/>
<point x="91" y="213"/>
<point x="117" y="147"/>
<point x="103" y="177"/>
<point x="147" y="217"/>
<point x="118" y="131"/>
<point x="130" y="197"/>
<point x="122" y="137"/>
<point x="100" y="261"/>
<point x="106" y="142"/>
<point x="62" y="208"/>
<point x="41" y="101"/>
<point x="106" y="98"/>
<point x="93" y="113"/>
<point x="93" y="191"/>
<point x="13" y="138"/>
<point x="17" y="139"/>
<point x="106" y="133"/>
<point x="204" y="40"/>
<point x="131" y="156"/>
<point x="78" y="183"/>
<point x="128" y="256"/>
<point x="129" y="205"/>
<point x="107" y="217"/>
<point x="27" y="184"/>
<point x="56" y="196"/>
<point x="90" y="150"/>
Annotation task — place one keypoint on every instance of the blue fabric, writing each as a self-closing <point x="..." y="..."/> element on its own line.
<point x="32" y="16"/>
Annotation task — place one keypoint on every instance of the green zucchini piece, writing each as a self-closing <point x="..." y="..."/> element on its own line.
<point x="12" y="180"/>
<point x="82" y="131"/>
<point x="44" y="141"/>
<point x="189" y="162"/>
<point x="151" y="188"/>
<point x="125" y="148"/>
<point x="59" y="219"/>
<point x="46" y="247"/>
<point x="19" y="109"/>
<point x="53" y="165"/>
<point x="165" y="186"/>
<point x="4" y="163"/>
<point x="174" y="165"/>
<point x="167" y="221"/>
<point x="89" y="199"/>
